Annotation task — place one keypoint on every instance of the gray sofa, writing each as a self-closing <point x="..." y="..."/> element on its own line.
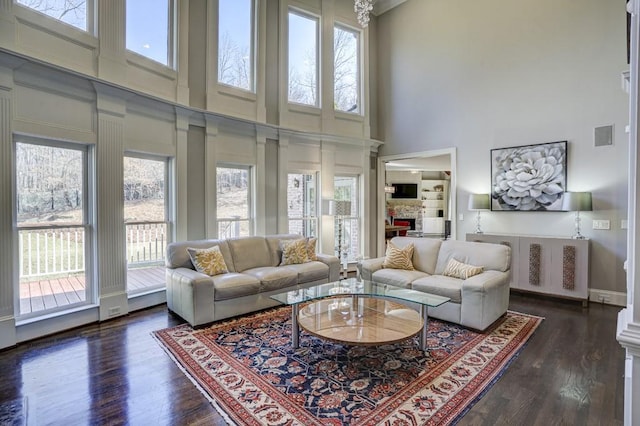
<point x="253" y="276"/>
<point x="475" y="302"/>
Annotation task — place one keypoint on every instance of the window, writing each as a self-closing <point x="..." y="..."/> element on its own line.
<point x="301" y="204"/>
<point x="234" y="201"/>
<point x="303" y="58"/>
<point x="147" y="225"/>
<point x="346" y="189"/>
<point x="150" y="29"/>
<point x="235" y="43"/>
<point x="346" y="68"/>
<point x="54" y="233"/>
<point x="72" y="12"/>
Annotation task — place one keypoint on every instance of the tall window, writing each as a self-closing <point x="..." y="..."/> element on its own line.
<point x="150" y="29"/>
<point x="303" y="58"/>
<point x="234" y="201"/>
<point x="147" y="225"/>
<point x="235" y="43"/>
<point x="346" y="68"/>
<point x="301" y="204"/>
<point x="346" y="189"/>
<point x="54" y="239"/>
<point x="72" y="12"/>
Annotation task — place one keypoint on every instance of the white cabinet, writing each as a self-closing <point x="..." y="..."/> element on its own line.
<point x="548" y="265"/>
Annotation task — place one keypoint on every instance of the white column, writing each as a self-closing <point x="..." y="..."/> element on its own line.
<point x="111" y="265"/>
<point x="629" y="318"/>
<point x="182" y="182"/>
<point x="8" y="247"/>
<point x="327" y="190"/>
<point x="211" y="178"/>
<point x="283" y="170"/>
<point x="111" y="32"/>
<point x="7" y="25"/>
<point x="182" y="58"/>
<point x="259" y="210"/>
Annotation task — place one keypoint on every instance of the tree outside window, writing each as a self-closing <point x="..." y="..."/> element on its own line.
<point x="301" y="204"/>
<point x="72" y="12"/>
<point x="346" y="64"/>
<point x="234" y="201"/>
<point x="303" y="59"/>
<point x="346" y="188"/>
<point x="235" y="43"/>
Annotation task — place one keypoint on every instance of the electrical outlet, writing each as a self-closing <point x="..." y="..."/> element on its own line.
<point x="602" y="224"/>
<point x="460" y="216"/>
<point x="624" y="224"/>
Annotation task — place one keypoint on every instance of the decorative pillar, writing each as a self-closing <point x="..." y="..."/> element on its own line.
<point x="182" y="65"/>
<point x="283" y="167"/>
<point x="110" y="238"/>
<point x="111" y="32"/>
<point x="7" y="25"/>
<point x="629" y="318"/>
<point x="8" y="247"/>
<point x="182" y="182"/>
<point x="260" y="181"/>
<point x="211" y="177"/>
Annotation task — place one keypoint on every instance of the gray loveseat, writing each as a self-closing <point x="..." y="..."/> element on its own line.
<point x="476" y="302"/>
<point x="253" y="276"/>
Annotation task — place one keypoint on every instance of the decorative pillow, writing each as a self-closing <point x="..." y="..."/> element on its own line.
<point x="461" y="270"/>
<point x="397" y="258"/>
<point x="294" y="252"/>
<point x="311" y="248"/>
<point x="208" y="261"/>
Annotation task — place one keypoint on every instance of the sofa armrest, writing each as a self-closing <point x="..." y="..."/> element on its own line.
<point x="333" y="263"/>
<point x="485" y="297"/>
<point x="367" y="267"/>
<point x="190" y="294"/>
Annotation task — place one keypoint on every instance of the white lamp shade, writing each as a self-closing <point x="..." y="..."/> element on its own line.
<point x="479" y="202"/>
<point x="339" y="208"/>
<point x="576" y="202"/>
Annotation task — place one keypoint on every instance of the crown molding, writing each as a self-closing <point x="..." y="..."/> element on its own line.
<point x="383" y="6"/>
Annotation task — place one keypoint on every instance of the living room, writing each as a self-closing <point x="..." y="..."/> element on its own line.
<point x="436" y="75"/>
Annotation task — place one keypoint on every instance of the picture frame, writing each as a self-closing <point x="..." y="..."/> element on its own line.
<point x="529" y="177"/>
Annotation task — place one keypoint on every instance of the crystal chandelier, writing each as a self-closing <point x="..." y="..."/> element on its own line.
<point x="362" y="9"/>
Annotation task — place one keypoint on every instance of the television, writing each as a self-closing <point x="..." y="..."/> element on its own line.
<point x="405" y="190"/>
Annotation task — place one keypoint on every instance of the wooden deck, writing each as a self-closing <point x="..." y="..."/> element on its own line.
<point x="51" y="293"/>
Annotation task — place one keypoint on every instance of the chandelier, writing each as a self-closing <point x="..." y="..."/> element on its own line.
<point x="362" y="9"/>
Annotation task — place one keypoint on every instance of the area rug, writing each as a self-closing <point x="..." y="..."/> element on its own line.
<point x="249" y="371"/>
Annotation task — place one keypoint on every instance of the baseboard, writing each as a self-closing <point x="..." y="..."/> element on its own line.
<point x="615" y="298"/>
<point x="146" y="300"/>
<point x="8" y="336"/>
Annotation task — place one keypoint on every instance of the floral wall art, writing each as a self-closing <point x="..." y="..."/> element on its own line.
<point x="529" y="178"/>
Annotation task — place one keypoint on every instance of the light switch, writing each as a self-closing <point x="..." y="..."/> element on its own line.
<point x="624" y="224"/>
<point x="460" y="216"/>
<point x="601" y="224"/>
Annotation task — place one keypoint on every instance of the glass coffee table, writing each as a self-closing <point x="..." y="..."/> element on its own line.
<point x="358" y="312"/>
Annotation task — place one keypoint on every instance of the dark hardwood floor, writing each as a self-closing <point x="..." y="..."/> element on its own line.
<point x="570" y="373"/>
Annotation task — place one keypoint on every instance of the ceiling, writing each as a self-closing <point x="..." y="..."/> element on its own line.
<point x="435" y="163"/>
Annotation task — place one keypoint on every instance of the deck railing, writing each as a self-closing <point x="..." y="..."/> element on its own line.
<point x="53" y="250"/>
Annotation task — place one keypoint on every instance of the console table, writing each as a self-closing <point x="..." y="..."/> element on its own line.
<point x="548" y="265"/>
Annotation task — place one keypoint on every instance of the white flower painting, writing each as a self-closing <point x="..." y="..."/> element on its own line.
<point x="529" y="178"/>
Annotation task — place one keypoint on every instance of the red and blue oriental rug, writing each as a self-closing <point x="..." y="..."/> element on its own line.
<point x="249" y="371"/>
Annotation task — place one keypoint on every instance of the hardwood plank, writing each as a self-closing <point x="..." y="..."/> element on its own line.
<point x="570" y="372"/>
<point x="58" y="293"/>
<point x="47" y="294"/>
<point x="25" y="298"/>
<point x="69" y="290"/>
<point x="37" y="303"/>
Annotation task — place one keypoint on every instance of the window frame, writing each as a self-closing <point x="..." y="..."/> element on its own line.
<point x="87" y="225"/>
<point x="359" y="73"/>
<point x="356" y="215"/>
<point x="172" y="36"/>
<point x="308" y="222"/>
<point x="251" y="219"/>
<point x="90" y="19"/>
<point x="253" y="53"/>
<point x="318" y="50"/>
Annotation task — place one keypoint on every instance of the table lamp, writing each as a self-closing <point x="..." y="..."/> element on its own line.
<point x="478" y="202"/>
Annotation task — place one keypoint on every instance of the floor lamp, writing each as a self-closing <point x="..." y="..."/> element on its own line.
<point x="340" y="209"/>
<point x="478" y="202"/>
<point x="577" y="202"/>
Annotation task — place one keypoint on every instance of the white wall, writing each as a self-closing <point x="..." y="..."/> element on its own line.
<point x="482" y="75"/>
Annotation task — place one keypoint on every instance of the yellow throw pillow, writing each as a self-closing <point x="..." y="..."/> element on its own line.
<point x="294" y="252"/>
<point x="397" y="258"/>
<point x="311" y="248"/>
<point x="461" y="270"/>
<point x="208" y="261"/>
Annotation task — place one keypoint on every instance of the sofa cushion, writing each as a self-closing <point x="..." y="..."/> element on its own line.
<point x="496" y="257"/>
<point x="397" y="277"/>
<point x="232" y="285"/>
<point x="273" y="242"/>
<point x="311" y="248"/>
<point x="274" y="277"/>
<point x="441" y="286"/>
<point x="249" y="253"/>
<point x="425" y="252"/>
<point x="294" y="252"/>
<point x="208" y="261"/>
<point x="398" y="258"/>
<point x="310" y="271"/>
<point x="178" y="257"/>
<point x="461" y="270"/>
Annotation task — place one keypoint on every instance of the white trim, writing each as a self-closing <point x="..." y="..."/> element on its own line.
<point x="615" y="298"/>
<point x="7" y="332"/>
